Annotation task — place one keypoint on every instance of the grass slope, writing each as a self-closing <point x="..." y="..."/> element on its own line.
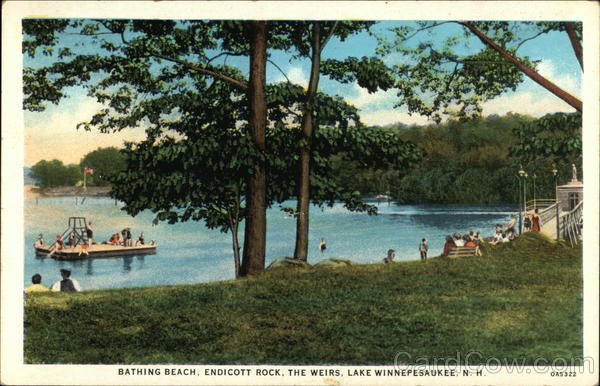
<point x="520" y="300"/>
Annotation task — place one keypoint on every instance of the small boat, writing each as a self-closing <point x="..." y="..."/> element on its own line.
<point x="81" y="250"/>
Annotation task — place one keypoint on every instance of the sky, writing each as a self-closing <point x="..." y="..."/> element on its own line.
<point x="52" y="133"/>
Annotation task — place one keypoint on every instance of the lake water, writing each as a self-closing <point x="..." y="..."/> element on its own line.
<point x="191" y="253"/>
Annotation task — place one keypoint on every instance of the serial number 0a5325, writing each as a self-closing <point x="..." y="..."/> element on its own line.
<point x="563" y="374"/>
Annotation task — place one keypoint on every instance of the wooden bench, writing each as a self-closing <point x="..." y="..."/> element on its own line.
<point x="462" y="251"/>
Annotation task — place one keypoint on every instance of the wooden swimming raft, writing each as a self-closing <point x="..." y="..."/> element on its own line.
<point x="77" y="227"/>
<point x="96" y="250"/>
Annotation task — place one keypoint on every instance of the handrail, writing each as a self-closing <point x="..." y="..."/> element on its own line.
<point x="539" y="203"/>
<point x="570" y="224"/>
<point x="547" y="213"/>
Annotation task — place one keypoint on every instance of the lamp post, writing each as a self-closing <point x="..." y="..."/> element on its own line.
<point x="525" y="192"/>
<point x="521" y="174"/>
<point x="534" y="177"/>
<point x="555" y="174"/>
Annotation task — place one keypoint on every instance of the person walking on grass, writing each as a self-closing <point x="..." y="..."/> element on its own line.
<point x="423" y="249"/>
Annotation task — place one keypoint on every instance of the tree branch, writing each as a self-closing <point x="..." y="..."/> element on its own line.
<point x="280" y="70"/>
<point x="223" y="53"/>
<point x="531" y="73"/>
<point x="235" y="82"/>
<point x="575" y="42"/>
<point x="531" y="38"/>
<point x="331" y="32"/>
<point x="425" y="28"/>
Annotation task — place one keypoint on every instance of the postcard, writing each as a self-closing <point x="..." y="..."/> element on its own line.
<point x="273" y="193"/>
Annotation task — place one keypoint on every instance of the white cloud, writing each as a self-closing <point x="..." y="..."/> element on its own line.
<point x="526" y="103"/>
<point x="378" y="108"/>
<point x="567" y="82"/>
<point x="371" y="101"/>
<point x="295" y="75"/>
<point x="387" y="117"/>
<point x="56" y="136"/>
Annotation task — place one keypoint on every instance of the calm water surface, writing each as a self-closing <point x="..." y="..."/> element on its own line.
<point x="191" y="253"/>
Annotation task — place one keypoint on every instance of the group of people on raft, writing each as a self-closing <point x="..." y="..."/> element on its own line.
<point x="72" y="241"/>
<point x="119" y="238"/>
<point x="124" y="238"/>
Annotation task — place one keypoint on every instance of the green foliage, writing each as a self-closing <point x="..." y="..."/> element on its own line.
<point x="453" y="78"/>
<point x="106" y="162"/>
<point x="473" y="161"/>
<point x="55" y="173"/>
<point x="369" y="73"/>
<point x="555" y="137"/>
<point x="521" y="300"/>
<point x="203" y="179"/>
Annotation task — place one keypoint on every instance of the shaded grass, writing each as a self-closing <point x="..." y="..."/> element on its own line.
<point x="520" y="300"/>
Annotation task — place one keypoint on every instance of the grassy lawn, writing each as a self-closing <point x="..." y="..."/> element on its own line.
<point x="520" y="300"/>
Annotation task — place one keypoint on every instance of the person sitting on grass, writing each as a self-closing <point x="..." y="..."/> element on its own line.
<point x="36" y="285"/>
<point x="510" y="234"/>
<point x="391" y="254"/>
<point x="511" y="222"/>
<point x="474" y="243"/>
<point x="66" y="284"/>
<point x="448" y="245"/>
<point x="478" y="238"/>
<point x="458" y="240"/>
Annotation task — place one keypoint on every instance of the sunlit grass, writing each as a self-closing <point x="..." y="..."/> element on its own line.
<point x="520" y="300"/>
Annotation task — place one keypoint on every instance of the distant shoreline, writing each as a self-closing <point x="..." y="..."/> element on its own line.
<point x="32" y="191"/>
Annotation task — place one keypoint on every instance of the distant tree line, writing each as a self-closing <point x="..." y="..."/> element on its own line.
<point x="105" y="162"/>
<point x="477" y="160"/>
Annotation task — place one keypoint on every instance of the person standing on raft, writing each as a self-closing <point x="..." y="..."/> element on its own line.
<point x="89" y="233"/>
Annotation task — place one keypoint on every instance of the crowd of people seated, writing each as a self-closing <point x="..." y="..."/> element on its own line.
<point x="471" y="239"/>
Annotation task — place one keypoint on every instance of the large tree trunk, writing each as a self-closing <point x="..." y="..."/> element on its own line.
<point x="301" y="249"/>
<point x="530" y="72"/>
<point x="253" y="260"/>
<point x="575" y="43"/>
<point x="234" y="223"/>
